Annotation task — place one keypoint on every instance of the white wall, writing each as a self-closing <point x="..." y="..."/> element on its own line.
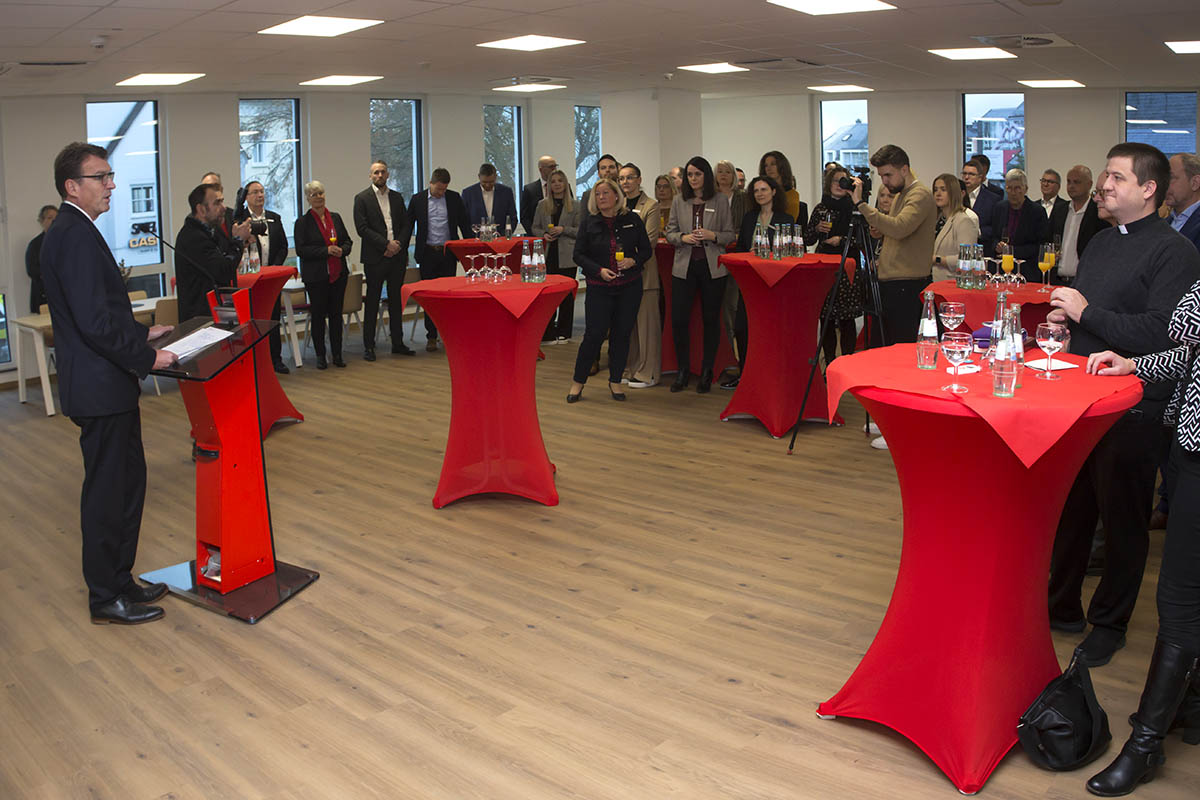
<point x="742" y="129"/>
<point x="549" y="131"/>
<point x="456" y="136"/>
<point x="337" y="151"/>
<point x="925" y="124"/>
<point x="198" y="134"/>
<point x="1063" y="129"/>
<point x="680" y="127"/>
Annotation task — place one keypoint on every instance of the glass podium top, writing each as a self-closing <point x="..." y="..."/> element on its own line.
<point x="206" y="364"/>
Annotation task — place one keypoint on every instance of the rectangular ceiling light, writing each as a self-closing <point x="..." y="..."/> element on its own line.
<point x="1146" y="121"/>
<point x="1053" y="84"/>
<point x="715" y="69"/>
<point x="821" y="7"/>
<point x="309" y="25"/>
<point x="531" y="43"/>
<point x="341" y="80"/>
<point x="1168" y="130"/>
<point x="972" y="53"/>
<point x="845" y="87"/>
<point x="1184" y="48"/>
<point x="161" y="78"/>
<point x="1130" y="108"/>
<point x="528" y="87"/>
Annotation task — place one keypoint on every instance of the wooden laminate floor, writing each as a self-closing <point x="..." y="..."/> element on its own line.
<point x="665" y="632"/>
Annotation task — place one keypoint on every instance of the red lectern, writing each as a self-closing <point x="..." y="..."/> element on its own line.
<point x="234" y="570"/>
<point x="258" y="302"/>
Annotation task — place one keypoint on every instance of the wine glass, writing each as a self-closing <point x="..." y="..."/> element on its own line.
<point x="475" y="226"/>
<point x="957" y="349"/>
<point x="1050" y="338"/>
<point x="473" y="273"/>
<point x="952" y="314"/>
<point x="1047" y="256"/>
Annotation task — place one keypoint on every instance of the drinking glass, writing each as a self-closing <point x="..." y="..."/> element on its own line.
<point x="473" y="273"/>
<point x="1050" y="338"/>
<point x="476" y="226"/>
<point x="1047" y="256"/>
<point x="952" y="314"/>
<point x="957" y="349"/>
<point x="1004" y="378"/>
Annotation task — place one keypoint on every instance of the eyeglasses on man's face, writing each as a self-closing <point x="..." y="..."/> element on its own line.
<point x="103" y="177"/>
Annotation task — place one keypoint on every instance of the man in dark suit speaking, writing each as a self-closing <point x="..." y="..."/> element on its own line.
<point x="382" y="221"/>
<point x="101" y="354"/>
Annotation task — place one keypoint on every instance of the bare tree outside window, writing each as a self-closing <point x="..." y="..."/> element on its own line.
<point x="396" y="139"/>
<point x="502" y="142"/>
<point x="269" y="143"/>
<point x="587" y="146"/>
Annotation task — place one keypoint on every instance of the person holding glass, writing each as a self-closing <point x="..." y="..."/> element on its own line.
<point x="700" y="228"/>
<point x="955" y="225"/>
<point x="1171" y="697"/>
<point x="1019" y="226"/>
<point x="664" y="193"/>
<point x="322" y="245"/>
<point x="769" y="212"/>
<point x="828" y="226"/>
<point x="775" y="164"/>
<point x="612" y="248"/>
<point x="556" y="221"/>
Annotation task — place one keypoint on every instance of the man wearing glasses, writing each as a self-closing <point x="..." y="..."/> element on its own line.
<point x="1051" y="183"/>
<point x="101" y="354"/>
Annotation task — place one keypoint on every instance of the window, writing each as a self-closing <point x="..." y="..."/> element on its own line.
<point x="502" y="143"/>
<point x="5" y="347"/>
<point x="844" y="133"/>
<point x="142" y="198"/>
<point x="396" y="138"/>
<point x="587" y="146"/>
<point x="269" y="134"/>
<point x="994" y="124"/>
<point x="1166" y="120"/>
<point x="129" y="130"/>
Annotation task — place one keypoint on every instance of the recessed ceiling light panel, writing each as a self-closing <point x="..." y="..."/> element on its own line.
<point x="161" y="78"/>
<point x="341" y="80"/>
<point x="972" y="53"/>
<point x="1146" y="122"/>
<point x="528" y="87"/>
<point x="1052" y="84"/>
<point x="531" y="43"/>
<point x="715" y="69"/>
<point x="838" y="88"/>
<point x="1184" y="48"/>
<point x="821" y="7"/>
<point x="309" y="25"/>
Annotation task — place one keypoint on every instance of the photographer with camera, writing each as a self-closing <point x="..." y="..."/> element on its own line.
<point x="267" y="243"/>
<point x="908" y="234"/>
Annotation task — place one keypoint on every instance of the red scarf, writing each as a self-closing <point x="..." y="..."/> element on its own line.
<point x="325" y="223"/>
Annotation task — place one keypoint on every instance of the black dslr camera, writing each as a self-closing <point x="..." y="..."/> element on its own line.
<point x="257" y="227"/>
<point x="864" y="175"/>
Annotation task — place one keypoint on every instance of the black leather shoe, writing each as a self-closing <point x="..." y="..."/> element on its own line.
<point x="145" y="594"/>
<point x="731" y="383"/>
<point x="281" y="368"/>
<point x="403" y="350"/>
<point x="705" y="382"/>
<point x="681" y="381"/>
<point x="337" y="362"/>
<point x="618" y="396"/>
<point x="321" y="362"/>
<point x="124" y="612"/>
<point x="368" y="355"/>
<point x="574" y="398"/>
<point x="1098" y="647"/>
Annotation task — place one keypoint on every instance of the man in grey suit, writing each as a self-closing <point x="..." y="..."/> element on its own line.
<point x="534" y="192"/>
<point x="382" y="221"/>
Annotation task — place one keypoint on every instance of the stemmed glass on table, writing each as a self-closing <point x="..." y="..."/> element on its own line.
<point x="473" y="273"/>
<point x="1050" y="337"/>
<point x="957" y="348"/>
<point x="952" y="314"/>
<point x="1047" y="257"/>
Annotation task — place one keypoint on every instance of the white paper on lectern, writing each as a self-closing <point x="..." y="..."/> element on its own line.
<point x="197" y="341"/>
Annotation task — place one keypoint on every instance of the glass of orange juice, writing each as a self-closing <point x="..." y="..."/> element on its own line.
<point x="1046" y="259"/>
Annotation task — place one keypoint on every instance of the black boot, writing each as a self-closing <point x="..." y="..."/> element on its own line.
<point x="1188" y="716"/>
<point x="681" y="380"/>
<point x="1170" y="672"/>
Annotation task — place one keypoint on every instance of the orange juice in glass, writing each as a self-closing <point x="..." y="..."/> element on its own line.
<point x="1006" y="263"/>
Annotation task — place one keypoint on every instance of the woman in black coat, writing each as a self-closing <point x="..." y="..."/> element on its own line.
<point x="1022" y="222"/>
<point x="322" y="245"/>
<point x="829" y="236"/>
<point x="614" y="285"/>
<point x="769" y="204"/>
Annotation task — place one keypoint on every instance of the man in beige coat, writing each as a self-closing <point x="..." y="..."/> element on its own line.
<point x="645" y="347"/>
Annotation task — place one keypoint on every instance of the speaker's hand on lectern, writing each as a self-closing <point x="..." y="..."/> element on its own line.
<point x="159" y="330"/>
<point x="164" y="359"/>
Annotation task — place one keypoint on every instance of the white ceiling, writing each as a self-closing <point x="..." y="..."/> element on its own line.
<point x="429" y="45"/>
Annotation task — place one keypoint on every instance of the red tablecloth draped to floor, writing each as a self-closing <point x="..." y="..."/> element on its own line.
<point x="509" y="248"/>
<point x="491" y="334"/>
<point x="965" y="645"/>
<point x="981" y="303"/>
<point x="273" y="403"/>
<point x="783" y="309"/>
<point x="664" y="254"/>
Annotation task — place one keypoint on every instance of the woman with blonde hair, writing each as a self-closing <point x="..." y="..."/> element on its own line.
<point x="556" y="220"/>
<point x="954" y="226"/>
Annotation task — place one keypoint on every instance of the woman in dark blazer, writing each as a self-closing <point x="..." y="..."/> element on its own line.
<point x="1023" y="222"/>
<point x="271" y="248"/>
<point x="614" y="285"/>
<point x="769" y="203"/>
<point x="322" y="245"/>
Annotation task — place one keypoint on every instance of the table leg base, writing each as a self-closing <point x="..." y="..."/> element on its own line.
<point x="826" y="716"/>
<point x="250" y="603"/>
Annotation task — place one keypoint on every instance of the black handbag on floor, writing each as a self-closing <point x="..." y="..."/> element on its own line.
<point x="1065" y="728"/>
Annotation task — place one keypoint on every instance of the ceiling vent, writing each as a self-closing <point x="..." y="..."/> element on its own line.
<point x="777" y="64"/>
<point x="520" y="79"/>
<point x="39" y="69"/>
<point x="1023" y="41"/>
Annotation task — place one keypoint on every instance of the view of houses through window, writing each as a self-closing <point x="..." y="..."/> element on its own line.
<point x="994" y="124"/>
<point x="844" y="133"/>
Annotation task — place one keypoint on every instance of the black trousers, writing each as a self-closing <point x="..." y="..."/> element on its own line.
<point x="1116" y="485"/>
<point x="325" y="305"/>
<point x="389" y="271"/>
<point x="563" y="319"/>
<point x="275" y="338"/>
<point x="437" y="262"/>
<point x="683" y="293"/>
<point x="900" y="302"/>
<point x="608" y="311"/>
<point x="741" y="330"/>
<point x="110" y="506"/>
<point x="1179" y="578"/>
